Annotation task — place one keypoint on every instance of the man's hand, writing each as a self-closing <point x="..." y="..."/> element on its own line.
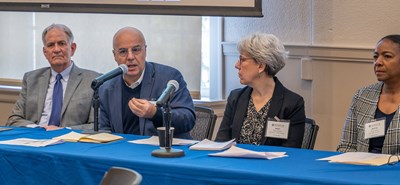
<point x="142" y="108"/>
<point x="51" y="127"/>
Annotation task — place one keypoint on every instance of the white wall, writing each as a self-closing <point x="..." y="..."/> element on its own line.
<point x="351" y="23"/>
<point x="354" y="23"/>
<point x="289" y="20"/>
<point x="337" y="36"/>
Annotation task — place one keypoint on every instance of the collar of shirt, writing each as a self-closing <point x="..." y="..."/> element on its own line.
<point x="64" y="74"/>
<point x="135" y="84"/>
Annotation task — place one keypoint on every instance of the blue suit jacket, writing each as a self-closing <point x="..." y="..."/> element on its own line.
<point x="155" y="80"/>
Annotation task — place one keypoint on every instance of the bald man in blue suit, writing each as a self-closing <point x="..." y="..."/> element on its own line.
<point x="125" y="106"/>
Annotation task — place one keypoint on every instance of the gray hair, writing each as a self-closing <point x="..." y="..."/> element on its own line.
<point x="265" y="49"/>
<point x="61" y="27"/>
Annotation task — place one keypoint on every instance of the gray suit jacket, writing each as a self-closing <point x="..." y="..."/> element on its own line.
<point x="77" y="111"/>
<point x="362" y="111"/>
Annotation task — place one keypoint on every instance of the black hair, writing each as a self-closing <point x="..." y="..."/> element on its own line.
<point x="393" y="38"/>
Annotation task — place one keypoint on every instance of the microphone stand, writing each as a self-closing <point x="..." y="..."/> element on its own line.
<point x="96" y="107"/>
<point x="168" y="151"/>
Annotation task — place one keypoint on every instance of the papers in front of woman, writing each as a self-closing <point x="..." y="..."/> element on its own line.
<point x="31" y="142"/>
<point x="154" y="140"/>
<point x="362" y="158"/>
<point x="243" y="153"/>
<point x="212" y="145"/>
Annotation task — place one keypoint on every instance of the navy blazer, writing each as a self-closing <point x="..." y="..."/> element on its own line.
<point x="285" y="104"/>
<point x="155" y="80"/>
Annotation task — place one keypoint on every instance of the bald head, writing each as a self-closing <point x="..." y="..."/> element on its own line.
<point x="129" y="47"/>
<point x="128" y="31"/>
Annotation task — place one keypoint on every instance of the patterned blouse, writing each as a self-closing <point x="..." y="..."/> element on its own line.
<point x="253" y="125"/>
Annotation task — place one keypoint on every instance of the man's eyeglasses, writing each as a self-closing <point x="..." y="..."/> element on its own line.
<point x="123" y="52"/>
<point x="243" y="59"/>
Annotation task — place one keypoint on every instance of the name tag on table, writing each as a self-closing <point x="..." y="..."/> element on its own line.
<point x="374" y="129"/>
<point x="277" y="129"/>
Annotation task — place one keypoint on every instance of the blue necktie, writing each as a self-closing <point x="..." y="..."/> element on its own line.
<point x="55" y="117"/>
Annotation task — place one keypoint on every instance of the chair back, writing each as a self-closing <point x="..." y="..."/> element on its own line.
<point x="121" y="176"/>
<point x="310" y="134"/>
<point x="205" y="122"/>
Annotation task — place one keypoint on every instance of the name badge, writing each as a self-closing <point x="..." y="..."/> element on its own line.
<point x="277" y="129"/>
<point x="374" y="129"/>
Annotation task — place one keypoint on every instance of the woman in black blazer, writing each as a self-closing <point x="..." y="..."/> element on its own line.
<point x="264" y="112"/>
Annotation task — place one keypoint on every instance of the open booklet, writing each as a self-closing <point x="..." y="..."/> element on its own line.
<point x="31" y="142"/>
<point x="212" y="145"/>
<point x="243" y="153"/>
<point x="362" y="158"/>
<point x="91" y="138"/>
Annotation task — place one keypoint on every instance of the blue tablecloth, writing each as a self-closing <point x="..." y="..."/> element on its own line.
<point x="85" y="163"/>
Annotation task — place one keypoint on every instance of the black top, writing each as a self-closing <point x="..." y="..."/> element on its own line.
<point x="129" y="120"/>
<point x="376" y="144"/>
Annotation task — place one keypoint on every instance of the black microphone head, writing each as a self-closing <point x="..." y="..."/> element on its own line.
<point x="124" y="68"/>
<point x="174" y="83"/>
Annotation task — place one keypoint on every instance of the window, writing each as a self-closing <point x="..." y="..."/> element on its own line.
<point x="211" y="71"/>
<point x="171" y="40"/>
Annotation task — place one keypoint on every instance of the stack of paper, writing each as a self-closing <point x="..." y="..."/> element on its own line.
<point x="362" y="158"/>
<point x="95" y="138"/>
<point x="154" y="140"/>
<point x="211" y="145"/>
<point x="31" y="142"/>
<point x="243" y="153"/>
<point x="5" y="128"/>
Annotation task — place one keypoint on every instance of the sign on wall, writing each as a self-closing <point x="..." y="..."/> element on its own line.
<point x="162" y="7"/>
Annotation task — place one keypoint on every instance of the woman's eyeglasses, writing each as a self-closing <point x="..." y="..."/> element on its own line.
<point x="243" y="59"/>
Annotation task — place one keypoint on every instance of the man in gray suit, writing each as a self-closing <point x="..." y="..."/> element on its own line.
<point x="35" y="104"/>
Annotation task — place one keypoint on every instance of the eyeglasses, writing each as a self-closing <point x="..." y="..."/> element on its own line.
<point x="243" y="59"/>
<point x="123" y="52"/>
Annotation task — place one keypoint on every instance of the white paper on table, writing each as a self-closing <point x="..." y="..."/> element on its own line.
<point x="5" y="128"/>
<point x="362" y="158"/>
<point x="153" y="140"/>
<point x="32" y="142"/>
<point x="212" y="145"/>
<point x="235" y="151"/>
<point x="32" y="126"/>
<point x="351" y="156"/>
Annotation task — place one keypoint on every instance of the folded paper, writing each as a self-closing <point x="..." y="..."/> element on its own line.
<point x="212" y="145"/>
<point x="91" y="138"/>
<point x="243" y="153"/>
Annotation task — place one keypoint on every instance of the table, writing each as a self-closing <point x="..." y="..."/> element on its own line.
<point x="85" y="163"/>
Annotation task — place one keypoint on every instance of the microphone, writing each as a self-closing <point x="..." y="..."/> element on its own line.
<point x="121" y="69"/>
<point x="172" y="87"/>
